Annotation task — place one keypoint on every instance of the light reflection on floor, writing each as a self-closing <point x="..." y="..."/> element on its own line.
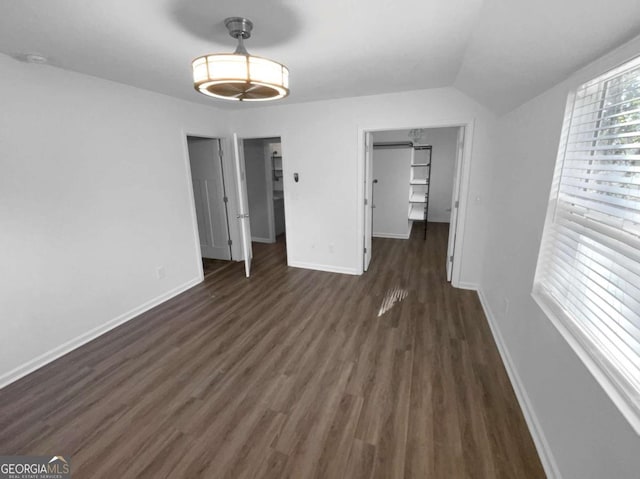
<point x="390" y="299"/>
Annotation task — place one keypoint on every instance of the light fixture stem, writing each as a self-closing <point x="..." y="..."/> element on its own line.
<point x="240" y="48"/>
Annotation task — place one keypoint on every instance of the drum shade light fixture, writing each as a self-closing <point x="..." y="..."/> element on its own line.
<point x="240" y="76"/>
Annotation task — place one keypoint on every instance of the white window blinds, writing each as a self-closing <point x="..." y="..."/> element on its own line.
<point x="588" y="272"/>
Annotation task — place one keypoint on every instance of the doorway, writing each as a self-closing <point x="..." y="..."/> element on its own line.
<point x="265" y="190"/>
<point x="210" y="199"/>
<point x="261" y="197"/>
<point x="412" y="178"/>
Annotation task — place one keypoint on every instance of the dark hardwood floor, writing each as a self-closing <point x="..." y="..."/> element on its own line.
<point x="291" y="373"/>
<point x="210" y="266"/>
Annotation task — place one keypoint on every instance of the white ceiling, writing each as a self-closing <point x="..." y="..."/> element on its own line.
<point x="518" y="49"/>
<point x="501" y="52"/>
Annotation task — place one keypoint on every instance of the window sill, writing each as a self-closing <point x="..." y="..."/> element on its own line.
<point x="621" y="397"/>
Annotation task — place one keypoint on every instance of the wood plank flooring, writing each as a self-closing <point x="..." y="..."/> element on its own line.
<point x="288" y="374"/>
<point x="210" y="266"/>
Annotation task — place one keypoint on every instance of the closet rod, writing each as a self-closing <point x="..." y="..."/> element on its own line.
<point x="393" y="144"/>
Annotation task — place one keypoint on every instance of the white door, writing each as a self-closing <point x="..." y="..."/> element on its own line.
<point x="368" y="200"/>
<point x="455" y="203"/>
<point x="209" y="196"/>
<point x="243" y="204"/>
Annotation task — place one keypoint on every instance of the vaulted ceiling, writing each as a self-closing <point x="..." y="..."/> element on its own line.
<point x="500" y="52"/>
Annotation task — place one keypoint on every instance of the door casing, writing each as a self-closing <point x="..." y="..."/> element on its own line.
<point x="462" y="178"/>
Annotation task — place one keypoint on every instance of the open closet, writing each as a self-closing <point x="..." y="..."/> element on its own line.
<point x="411" y="177"/>
<point x="210" y="201"/>
<point x="392" y="186"/>
<point x="265" y="192"/>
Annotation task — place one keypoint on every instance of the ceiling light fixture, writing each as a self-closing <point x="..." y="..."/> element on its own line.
<point x="239" y="75"/>
<point x="416" y="134"/>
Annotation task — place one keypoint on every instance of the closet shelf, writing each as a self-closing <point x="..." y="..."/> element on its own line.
<point x="419" y="181"/>
<point x="418" y="198"/>
<point x="416" y="214"/>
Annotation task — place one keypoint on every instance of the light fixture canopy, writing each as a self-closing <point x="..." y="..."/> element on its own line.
<point x="416" y="134"/>
<point x="240" y="76"/>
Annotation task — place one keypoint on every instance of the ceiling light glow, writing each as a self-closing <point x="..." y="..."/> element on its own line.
<point x="240" y="76"/>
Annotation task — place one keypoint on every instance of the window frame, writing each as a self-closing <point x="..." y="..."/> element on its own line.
<point x="623" y="394"/>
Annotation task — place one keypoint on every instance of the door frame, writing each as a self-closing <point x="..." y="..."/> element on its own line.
<point x="192" y="202"/>
<point x="368" y="199"/>
<point x="269" y="182"/>
<point x="249" y="135"/>
<point x="462" y="180"/>
<point x="453" y="225"/>
<point x="243" y="216"/>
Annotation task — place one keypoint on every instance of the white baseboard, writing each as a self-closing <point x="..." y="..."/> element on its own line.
<point x="466" y="285"/>
<point x="257" y="239"/>
<point x="78" y="341"/>
<point x="542" y="446"/>
<point x="324" y="267"/>
<point x="391" y="235"/>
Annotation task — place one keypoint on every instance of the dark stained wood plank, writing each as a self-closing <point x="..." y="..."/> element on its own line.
<point x="210" y="266"/>
<point x="361" y="460"/>
<point x="290" y="373"/>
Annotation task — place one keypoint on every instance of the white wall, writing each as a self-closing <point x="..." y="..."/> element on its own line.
<point x="585" y="433"/>
<point x="321" y="209"/>
<point x="444" y="141"/>
<point x="256" y="164"/>
<point x="94" y="197"/>
<point x="391" y="192"/>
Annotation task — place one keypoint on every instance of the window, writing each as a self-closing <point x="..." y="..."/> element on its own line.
<point x="588" y="274"/>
